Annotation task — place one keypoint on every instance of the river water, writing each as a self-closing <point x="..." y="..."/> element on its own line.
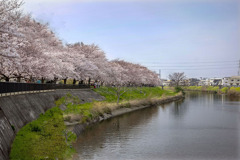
<point x="201" y="127"/>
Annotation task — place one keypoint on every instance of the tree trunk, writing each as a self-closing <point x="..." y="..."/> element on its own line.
<point x="118" y="99"/>
<point x="74" y="81"/>
<point x="18" y="79"/>
<point x="81" y="82"/>
<point x="42" y="80"/>
<point x="65" y="81"/>
<point x="55" y="80"/>
<point x="118" y="95"/>
<point x="7" y="79"/>
<point x="31" y="79"/>
<point x="89" y="81"/>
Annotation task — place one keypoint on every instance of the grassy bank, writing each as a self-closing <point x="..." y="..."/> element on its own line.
<point x="48" y="138"/>
<point x="87" y="112"/>
<point x="44" y="138"/>
<point x="233" y="91"/>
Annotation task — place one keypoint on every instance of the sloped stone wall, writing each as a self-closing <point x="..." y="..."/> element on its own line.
<point x="18" y="110"/>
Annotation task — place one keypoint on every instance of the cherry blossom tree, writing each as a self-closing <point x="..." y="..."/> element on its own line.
<point x="138" y="75"/>
<point x="10" y="39"/>
<point x="92" y="59"/>
<point x="30" y="49"/>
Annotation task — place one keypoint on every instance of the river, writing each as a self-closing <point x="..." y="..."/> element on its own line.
<point x="201" y="127"/>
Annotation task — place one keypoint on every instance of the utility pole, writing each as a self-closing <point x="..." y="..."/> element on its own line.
<point x="160" y="76"/>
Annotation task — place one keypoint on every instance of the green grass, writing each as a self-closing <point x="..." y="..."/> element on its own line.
<point x="133" y="93"/>
<point x="89" y="111"/>
<point x="202" y="88"/>
<point x="44" y="138"/>
<point x="194" y="88"/>
<point x="212" y="88"/>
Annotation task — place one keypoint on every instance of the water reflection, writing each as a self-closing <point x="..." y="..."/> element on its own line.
<point x="112" y="131"/>
<point x="179" y="109"/>
<point x="202" y="126"/>
<point x="233" y="98"/>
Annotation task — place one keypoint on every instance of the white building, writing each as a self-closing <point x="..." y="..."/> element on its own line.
<point x="210" y="82"/>
<point x="203" y="82"/>
<point x="215" y="81"/>
<point x="165" y="82"/>
<point x="231" y="81"/>
<point x="225" y="81"/>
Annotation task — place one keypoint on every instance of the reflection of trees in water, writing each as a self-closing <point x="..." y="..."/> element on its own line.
<point x="204" y="98"/>
<point x="233" y="98"/>
<point x="192" y="95"/>
<point x="112" y="130"/>
<point x="179" y="108"/>
<point x="210" y="97"/>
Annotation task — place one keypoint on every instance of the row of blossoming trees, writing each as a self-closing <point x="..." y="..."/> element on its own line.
<point x="30" y="50"/>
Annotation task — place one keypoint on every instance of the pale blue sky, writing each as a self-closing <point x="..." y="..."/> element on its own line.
<point x="161" y="33"/>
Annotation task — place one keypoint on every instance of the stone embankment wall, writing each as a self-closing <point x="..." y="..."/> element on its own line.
<point x="18" y="110"/>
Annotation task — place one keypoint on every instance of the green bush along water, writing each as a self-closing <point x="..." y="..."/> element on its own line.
<point x="233" y="91"/>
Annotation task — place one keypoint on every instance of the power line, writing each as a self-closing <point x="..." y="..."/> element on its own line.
<point x="220" y="65"/>
<point x="195" y="68"/>
<point x="187" y="62"/>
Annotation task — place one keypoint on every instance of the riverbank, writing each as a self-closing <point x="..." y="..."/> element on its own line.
<point x="230" y="91"/>
<point x="39" y="138"/>
<point x="203" y="122"/>
<point x="114" y="110"/>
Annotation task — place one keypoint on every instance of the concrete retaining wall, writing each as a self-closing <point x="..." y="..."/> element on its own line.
<point x="18" y="110"/>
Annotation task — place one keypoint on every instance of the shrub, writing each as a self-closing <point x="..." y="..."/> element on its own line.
<point x="224" y="90"/>
<point x="178" y="89"/>
<point x="234" y="91"/>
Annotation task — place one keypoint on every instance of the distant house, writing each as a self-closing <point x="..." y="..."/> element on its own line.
<point x="231" y="81"/>
<point x="234" y="81"/>
<point x="184" y="82"/>
<point x="193" y="81"/>
<point x="165" y="82"/>
<point x="214" y="81"/>
<point x="226" y="81"/>
<point x="203" y="82"/>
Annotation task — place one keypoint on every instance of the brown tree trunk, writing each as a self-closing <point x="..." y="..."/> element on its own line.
<point x="42" y="80"/>
<point x="18" y="79"/>
<point x="31" y="79"/>
<point x="89" y="81"/>
<point x="81" y="82"/>
<point x="74" y="81"/>
<point x="65" y="81"/>
<point x="7" y="79"/>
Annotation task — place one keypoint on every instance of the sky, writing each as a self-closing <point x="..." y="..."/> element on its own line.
<point x="198" y="37"/>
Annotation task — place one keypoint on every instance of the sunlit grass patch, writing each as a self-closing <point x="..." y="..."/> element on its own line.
<point x="44" y="138"/>
<point x="133" y="93"/>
